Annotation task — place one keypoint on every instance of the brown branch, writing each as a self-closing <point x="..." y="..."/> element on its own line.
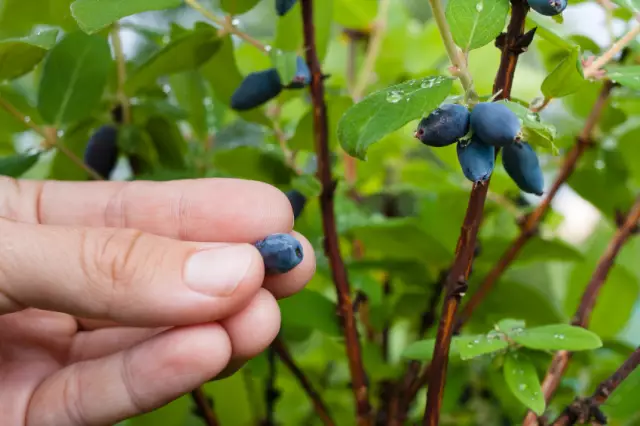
<point x="318" y="404"/>
<point x="271" y="393"/>
<point x="204" y="407"/>
<point x="511" y="46"/>
<point x="583" y="410"/>
<point x="589" y="297"/>
<point x="530" y="225"/>
<point x="332" y="246"/>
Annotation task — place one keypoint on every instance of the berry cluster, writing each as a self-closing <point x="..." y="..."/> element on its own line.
<point x="548" y="7"/>
<point x="492" y="125"/>
<point x="260" y="87"/>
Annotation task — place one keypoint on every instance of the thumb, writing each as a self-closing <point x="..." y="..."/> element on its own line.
<point x="124" y="275"/>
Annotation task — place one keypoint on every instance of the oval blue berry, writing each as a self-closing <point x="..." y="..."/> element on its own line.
<point x="256" y="89"/>
<point x="476" y="160"/>
<point x="522" y="165"/>
<point x="444" y="126"/>
<point x="297" y="200"/>
<point x="283" y="6"/>
<point x="303" y="75"/>
<point x="495" y="124"/>
<point x="281" y="253"/>
<point x="548" y="7"/>
<point x="101" y="153"/>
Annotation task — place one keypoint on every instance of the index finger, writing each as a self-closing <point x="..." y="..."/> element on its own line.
<point x="214" y="210"/>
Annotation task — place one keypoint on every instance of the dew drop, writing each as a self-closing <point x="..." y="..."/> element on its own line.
<point x="394" y="96"/>
<point x="558" y="336"/>
<point x="267" y="48"/>
<point x="522" y="386"/>
<point x="479" y="6"/>
<point x="60" y="133"/>
<point x="476" y="341"/>
<point x="166" y="88"/>
<point x="599" y="164"/>
<point x="235" y="22"/>
<point x="27" y="119"/>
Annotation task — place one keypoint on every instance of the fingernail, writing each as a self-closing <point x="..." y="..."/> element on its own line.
<point x="218" y="272"/>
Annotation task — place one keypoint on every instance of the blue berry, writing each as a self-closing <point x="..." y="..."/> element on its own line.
<point x="444" y="126"/>
<point x="281" y="253"/>
<point x="101" y="153"/>
<point x="303" y="75"/>
<point x="256" y="89"/>
<point x="283" y="6"/>
<point x="297" y="200"/>
<point x="495" y="124"/>
<point x="476" y="159"/>
<point x="522" y="165"/>
<point x="548" y="7"/>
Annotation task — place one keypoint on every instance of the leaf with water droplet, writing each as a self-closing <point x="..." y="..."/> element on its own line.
<point x="509" y="325"/>
<point x="475" y="23"/>
<point x="481" y="344"/>
<point x="628" y="76"/>
<point x="558" y="337"/>
<point x="371" y="119"/>
<point x="522" y="379"/>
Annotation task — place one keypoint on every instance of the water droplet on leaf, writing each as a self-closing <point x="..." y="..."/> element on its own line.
<point x="394" y="96"/>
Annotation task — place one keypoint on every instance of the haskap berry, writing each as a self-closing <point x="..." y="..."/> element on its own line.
<point x="256" y="89"/>
<point x="444" y="126"/>
<point x="101" y="153"/>
<point x="548" y="7"/>
<point x="495" y="124"/>
<point x="281" y="253"/>
<point x="303" y="75"/>
<point x="283" y="6"/>
<point x="522" y="165"/>
<point x="297" y="200"/>
<point x="476" y="159"/>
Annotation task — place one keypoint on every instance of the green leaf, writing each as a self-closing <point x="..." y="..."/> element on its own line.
<point x="186" y="52"/>
<point x="536" y="250"/>
<point x="628" y="76"/>
<point x="522" y="379"/>
<point x="387" y="110"/>
<point x="15" y="95"/>
<point x="566" y="78"/>
<point x="356" y="14"/>
<point x="289" y="28"/>
<point x="133" y="140"/>
<point x="309" y="309"/>
<point x="17" y="165"/>
<point x="285" y="63"/>
<point x="224" y="76"/>
<point x="535" y="20"/>
<point x="304" y="136"/>
<point x="21" y="55"/>
<point x="557" y="337"/>
<point x="190" y="90"/>
<point x="19" y="17"/>
<point x="254" y="162"/>
<point x="482" y="344"/>
<point x="237" y="7"/>
<point x="95" y="15"/>
<point x="74" y="78"/>
<point x="421" y="350"/>
<point x="168" y="141"/>
<point x="509" y="325"/>
<point x="75" y="139"/>
<point x="535" y="131"/>
<point x="475" y="23"/>
<point x="308" y="185"/>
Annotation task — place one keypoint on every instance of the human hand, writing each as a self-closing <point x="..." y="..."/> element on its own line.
<point x="118" y="297"/>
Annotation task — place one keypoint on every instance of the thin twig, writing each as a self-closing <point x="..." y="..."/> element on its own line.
<point x="607" y="56"/>
<point x="455" y="55"/>
<point x="589" y="297"/>
<point x="332" y="245"/>
<point x="318" y="404"/>
<point x="226" y="24"/>
<point x="122" y="73"/>
<point x="271" y="394"/>
<point x="456" y="280"/>
<point x="583" y="410"/>
<point x="50" y="138"/>
<point x="529" y="227"/>
<point x="205" y="408"/>
<point x="373" y="50"/>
